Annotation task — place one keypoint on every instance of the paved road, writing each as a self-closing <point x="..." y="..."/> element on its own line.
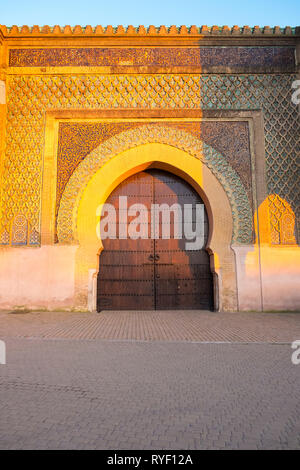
<point x="181" y="325"/>
<point x="103" y="394"/>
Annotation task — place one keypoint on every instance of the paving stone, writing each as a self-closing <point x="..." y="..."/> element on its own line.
<point x="179" y="325"/>
<point x="101" y="394"/>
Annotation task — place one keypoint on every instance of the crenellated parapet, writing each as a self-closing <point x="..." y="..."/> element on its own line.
<point x="151" y="30"/>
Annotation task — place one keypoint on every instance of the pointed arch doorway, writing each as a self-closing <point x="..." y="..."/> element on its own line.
<point x="160" y="273"/>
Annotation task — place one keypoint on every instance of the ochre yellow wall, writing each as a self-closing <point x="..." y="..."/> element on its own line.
<point x="262" y="276"/>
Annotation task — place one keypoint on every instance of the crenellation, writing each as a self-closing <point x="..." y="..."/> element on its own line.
<point x="145" y="31"/>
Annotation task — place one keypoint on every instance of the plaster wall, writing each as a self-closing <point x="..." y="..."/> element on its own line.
<point x="37" y="277"/>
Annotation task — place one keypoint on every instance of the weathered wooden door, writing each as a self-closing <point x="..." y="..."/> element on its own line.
<point x="148" y="274"/>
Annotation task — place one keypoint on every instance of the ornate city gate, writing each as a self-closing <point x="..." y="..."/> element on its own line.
<point x="149" y="273"/>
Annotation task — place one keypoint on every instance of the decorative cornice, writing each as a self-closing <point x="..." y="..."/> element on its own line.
<point x="129" y="31"/>
<point x="208" y="59"/>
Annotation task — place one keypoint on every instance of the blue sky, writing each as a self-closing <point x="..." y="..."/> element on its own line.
<point x="157" y="12"/>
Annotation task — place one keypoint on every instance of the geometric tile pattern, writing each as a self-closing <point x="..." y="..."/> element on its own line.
<point x="148" y="133"/>
<point x="30" y="96"/>
<point x="19" y="230"/>
<point x="282" y="221"/>
<point x="77" y="139"/>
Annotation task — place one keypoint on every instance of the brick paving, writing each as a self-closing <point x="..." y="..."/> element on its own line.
<point x="149" y="380"/>
<point x="154" y="326"/>
<point x="66" y="394"/>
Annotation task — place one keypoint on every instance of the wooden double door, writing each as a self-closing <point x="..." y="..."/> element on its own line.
<point x="153" y="273"/>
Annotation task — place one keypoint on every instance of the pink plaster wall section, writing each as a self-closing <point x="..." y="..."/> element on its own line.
<point x="269" y="279"/>
<point x="37" y="277"/>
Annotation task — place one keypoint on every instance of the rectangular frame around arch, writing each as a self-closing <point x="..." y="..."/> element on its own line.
<point x="54" y="117"/>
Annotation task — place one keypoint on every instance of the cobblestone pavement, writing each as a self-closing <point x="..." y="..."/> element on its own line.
<point x="102" y="394"/>
<point x="158" y="325"/>
<point x="149" y="380"/>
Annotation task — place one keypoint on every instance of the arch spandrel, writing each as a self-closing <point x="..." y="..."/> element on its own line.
<point x="133" y="138"/>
